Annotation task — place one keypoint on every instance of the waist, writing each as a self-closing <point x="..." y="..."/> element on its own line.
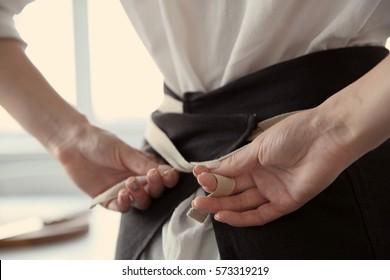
<point x="204" y="126"/>
<point x="300" y="83"/>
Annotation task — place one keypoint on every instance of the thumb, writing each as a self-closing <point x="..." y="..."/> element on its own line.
<point x="235" y="163"/>
<point x="136" y="161"/>
<point x="236" y="166"/>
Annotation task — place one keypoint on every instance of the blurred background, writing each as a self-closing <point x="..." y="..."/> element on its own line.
<point x="91" y="55"/>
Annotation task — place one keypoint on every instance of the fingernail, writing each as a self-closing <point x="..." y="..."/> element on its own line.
<point x="153" y="175"/>
<point x="199" y="178"/>
<point x="141" y="179"/>
<point x="123" y="195"/>
<point x="213" y="164"/>
<point x="194" y="203"/>
<point x="217" y="217"/>
<point x="134" y="186"/>
<point x="170" y="170"/>
<point x="199" y="169"/>
<point x="167" y="177"/>
<point x="166" y="174"/>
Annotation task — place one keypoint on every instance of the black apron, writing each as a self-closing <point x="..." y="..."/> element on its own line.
<point x="349" y="220"/>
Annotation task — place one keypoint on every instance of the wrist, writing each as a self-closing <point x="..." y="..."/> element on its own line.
<point x="32" y="101"/>
<point x="351" y="125"/>
<point x="334" y="130"/>
<point x="362" y="109"/>
<point x="65" y="131"/>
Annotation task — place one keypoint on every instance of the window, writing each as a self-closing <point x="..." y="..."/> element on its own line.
<point x="114" y="81"/>
<point x="122" y="73"/>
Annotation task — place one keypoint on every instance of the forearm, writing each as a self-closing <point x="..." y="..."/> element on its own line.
<point x="29" y="98"/>
<point x="363" y="110"/>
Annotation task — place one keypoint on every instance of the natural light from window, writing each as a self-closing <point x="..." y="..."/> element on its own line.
<point x="125" y="81"/>
<point x="125" y="84"/>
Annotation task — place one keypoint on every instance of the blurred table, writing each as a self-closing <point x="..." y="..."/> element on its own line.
<point x="97" y="243"/>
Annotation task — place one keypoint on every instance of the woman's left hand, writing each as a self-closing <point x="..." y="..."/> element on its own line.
<point x="281" y="170"/>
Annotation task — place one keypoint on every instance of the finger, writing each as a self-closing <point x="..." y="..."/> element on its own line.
<point x="209" y="182"/>
<point x="155" y="185"/>
<point x="160" y="178"/>
<point x="141" y="199"/>
<point x="257" y="217"/>
<point x="237" y="163"/>
<point x="247" y="200"/>
<point x="124" y="200"/>
<point x="169" y="175"/>
<point x="136" y="161"/>
<point x="199" y="169"/>
<point x="120" y="204"/>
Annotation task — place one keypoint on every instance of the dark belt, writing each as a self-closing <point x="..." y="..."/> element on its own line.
<point x="220" y="121"/>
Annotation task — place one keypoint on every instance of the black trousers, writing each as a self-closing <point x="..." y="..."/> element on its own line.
<point x="349" y="220"/>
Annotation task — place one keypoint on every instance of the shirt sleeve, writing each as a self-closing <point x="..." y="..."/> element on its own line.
<point x="9" y="8"/>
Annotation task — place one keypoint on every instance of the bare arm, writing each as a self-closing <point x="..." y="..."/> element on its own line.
<point x="29" y="98"/>
<point x="94" y="158"/>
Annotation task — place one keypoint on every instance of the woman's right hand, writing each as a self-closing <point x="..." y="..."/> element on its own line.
<point x="96" y="160"/>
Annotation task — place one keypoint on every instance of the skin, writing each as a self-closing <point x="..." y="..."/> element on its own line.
<point x="78" y="145"/>
<point x="296" y="159"/>
<point x="277" y="173"/>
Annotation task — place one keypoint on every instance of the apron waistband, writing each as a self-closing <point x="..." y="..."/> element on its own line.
<point x="256" y="102"/>
<point x="163" y="145"/>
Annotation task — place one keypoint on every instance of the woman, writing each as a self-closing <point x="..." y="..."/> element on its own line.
<point x="229" y="66"/>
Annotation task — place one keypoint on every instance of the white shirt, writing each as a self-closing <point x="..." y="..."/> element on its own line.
<point x="202" y="45"/>
<point x="9" y="8"/>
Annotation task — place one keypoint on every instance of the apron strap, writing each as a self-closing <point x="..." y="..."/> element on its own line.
<point x="161" y="143"/>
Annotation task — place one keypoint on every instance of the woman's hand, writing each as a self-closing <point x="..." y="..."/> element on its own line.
<point x="96" y="160"/>
<point x="278" y="172"/>
<point x="299" y="157"/>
